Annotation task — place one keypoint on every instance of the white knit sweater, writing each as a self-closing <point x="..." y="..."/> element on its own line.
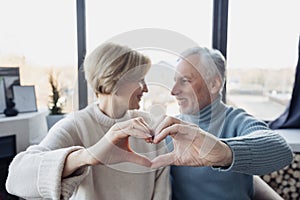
<point x="36" y="173"/>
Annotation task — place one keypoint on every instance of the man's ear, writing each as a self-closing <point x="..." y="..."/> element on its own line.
<point x="215" y="85"/>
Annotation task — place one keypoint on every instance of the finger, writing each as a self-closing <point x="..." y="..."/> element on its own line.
<point x="133" y="123"/>
<point x="132" y="132"/>
<point x="143" y="122"/>
<point x="171" y="130"/>
<point x="149" y="140"/>
<point x="167" y="121"/>
<point x="138" y="159"/>
<point x="139" y="123"/>
<point x="163" y="160"/>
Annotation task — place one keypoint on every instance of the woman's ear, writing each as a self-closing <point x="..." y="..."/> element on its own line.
<point x="215" y="85"/>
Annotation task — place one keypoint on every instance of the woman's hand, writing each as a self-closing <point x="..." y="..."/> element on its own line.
<point x="114" y="146"/>
<point x="192" y="146"/>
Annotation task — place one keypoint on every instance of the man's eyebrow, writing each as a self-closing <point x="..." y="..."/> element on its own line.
<point x="185" y="76"/>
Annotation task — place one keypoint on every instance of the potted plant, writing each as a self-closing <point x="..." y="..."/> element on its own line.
<point x="55" y="104"/>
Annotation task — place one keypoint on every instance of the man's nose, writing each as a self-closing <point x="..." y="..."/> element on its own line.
<point x="175" y="90"/>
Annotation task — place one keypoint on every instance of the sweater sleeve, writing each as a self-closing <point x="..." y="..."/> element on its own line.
<point x="37" y="172"/>
<point x="256" y="149"/>
<point x="260" y="152"/>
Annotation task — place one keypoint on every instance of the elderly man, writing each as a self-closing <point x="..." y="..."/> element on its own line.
<point x="216" y="153"/>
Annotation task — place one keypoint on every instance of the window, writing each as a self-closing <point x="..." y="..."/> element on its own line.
<point x="262" y="55"/>
<point x="38" y="37"/>
<point x="192" y="19"/>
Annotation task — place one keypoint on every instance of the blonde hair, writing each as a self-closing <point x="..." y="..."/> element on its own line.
<point x="110" y="63"/>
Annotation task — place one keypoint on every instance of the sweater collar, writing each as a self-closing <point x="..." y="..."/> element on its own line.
<point x="106" y="120"/>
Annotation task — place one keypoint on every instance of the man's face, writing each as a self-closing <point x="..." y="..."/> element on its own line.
<point x="190" y="89"/>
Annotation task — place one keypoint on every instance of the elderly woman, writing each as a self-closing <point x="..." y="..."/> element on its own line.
<point x="97" y="153"/>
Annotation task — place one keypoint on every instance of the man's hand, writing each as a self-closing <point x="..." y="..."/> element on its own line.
<point x="192" y="146"/>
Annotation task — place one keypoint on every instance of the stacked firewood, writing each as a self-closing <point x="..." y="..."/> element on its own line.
<point x="286" y="182"/>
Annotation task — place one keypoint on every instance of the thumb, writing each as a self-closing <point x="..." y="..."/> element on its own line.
<point x="163" y="160"/>
<point x="138" y="159"/>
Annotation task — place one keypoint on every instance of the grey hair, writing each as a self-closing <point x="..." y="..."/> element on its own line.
<point x="211" y="59"/>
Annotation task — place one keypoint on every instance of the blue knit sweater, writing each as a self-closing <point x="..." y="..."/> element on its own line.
<point x="256" y="150"/>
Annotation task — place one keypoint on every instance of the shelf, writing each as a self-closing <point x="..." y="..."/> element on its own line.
<point x="292" y="136"/>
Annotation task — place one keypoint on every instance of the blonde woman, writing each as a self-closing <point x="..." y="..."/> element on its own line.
<point x="100" y="152"/>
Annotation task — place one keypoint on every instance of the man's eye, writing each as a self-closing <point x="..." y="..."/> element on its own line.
<point x="185" y="81"/>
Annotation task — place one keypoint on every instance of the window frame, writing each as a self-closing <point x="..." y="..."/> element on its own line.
<point x="220" y="18"/>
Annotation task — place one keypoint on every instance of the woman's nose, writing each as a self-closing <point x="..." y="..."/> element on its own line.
<point x="144" y="86"/>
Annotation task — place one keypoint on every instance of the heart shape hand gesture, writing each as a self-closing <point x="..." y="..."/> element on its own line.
<point x="192" y="145"/>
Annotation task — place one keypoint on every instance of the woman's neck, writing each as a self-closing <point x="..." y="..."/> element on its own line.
<point x="110" y="107"/>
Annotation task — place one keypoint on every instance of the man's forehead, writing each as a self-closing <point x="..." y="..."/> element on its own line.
<point x="187" y="68"/>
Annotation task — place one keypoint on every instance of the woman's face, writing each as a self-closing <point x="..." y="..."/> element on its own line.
<point x="130" y="93"/>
